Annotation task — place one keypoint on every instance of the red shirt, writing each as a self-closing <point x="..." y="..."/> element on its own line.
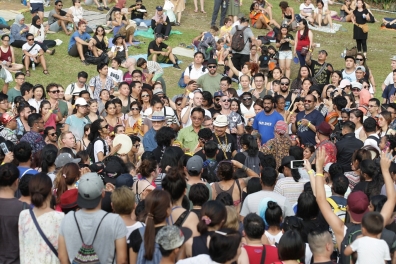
<point x="254" y="253"/>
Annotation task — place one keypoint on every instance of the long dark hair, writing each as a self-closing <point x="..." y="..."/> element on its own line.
<point x="251" y="143"/>
<point x="95" y="128"/>
<point x="306" y="29"/>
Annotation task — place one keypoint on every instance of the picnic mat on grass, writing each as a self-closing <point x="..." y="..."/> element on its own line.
<point x="189" y="53"/>
<point x="144" y="56"/>
<point x="150" y="33"/>
<point x="327" y="28"/>
<point x="9" y="14"/>
<point x="92" y="17"/>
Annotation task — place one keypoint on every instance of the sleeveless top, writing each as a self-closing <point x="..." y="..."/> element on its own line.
<point x="357" y="132"/>
<point x="125" y="109"/>
<point x="287" y="16"/>
<point x="229" y="191"/>
<point x="301" y="42"/>
<point x="199" y="244"/>
<point x="100" y="44"/>
<point x="6" y="56"/>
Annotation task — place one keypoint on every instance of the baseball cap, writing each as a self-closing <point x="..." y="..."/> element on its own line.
<point x="344" y="83"/>
<point x="80" y="101"/>
<point x="324" y="129"/>
<point x="172" y="237"/>
<point x="358" y="203"/>
<point x="112" y="168"/>
<point x="158" y="91"/>
<point x="195" y="163"/>
<point x="212" y="61"/>
<point x="393" y="58"/>
<point x="218" y="94"/>
<point x="357" y="85"/>
<point x="65" y="158"/>
<point x="7" y="117"/>
<point x="69" y="199"/>
<point x="90" y="190"/>
<point x="361" y="68"/>
<point x="349" y="57"/>
<point x="159" y="8"/>
<point x="124" y="180"/>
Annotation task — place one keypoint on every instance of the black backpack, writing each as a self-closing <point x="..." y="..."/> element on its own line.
<point x="181" y="80"/>
<point x="72" y="87"/>
<point x="90" y="149"/>
<point x="238" y="42"/>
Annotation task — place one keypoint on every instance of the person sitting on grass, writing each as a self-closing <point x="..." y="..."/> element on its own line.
<point x="152" y="69"/>
<point x="33" y="53"/>
<point x="155" y="52"/>
<point x="160" y="23"/>
<point x="119" y="50"/>
<point x="208" y="42"/>
<point x="78" y="44"/>
<point x="59" y="19"/>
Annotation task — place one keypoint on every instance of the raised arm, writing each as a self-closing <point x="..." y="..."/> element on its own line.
<point x="387" y="209"/>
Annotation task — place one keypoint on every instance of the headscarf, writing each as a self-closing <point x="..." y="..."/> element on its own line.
<point x="34" y="22"/>
<point x="364" y="98"/>
<point x="157" y="17"/>
<point x="18" y="19"/>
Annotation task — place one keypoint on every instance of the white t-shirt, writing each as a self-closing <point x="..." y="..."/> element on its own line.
<point x="98" y="147"/>
<point x="119" y="48"/>
<point x="184" y="110"/>
<point x="371" y="250"/>
<point x="35" y="50"/>
<point x="77" y="13"/>
<point x="372" y="142"/>
<point x="77" y="89"/>
<point x="273" y="239"/>
<point x="389" y="79"/>
<point x="307" y="9"/>
<point x="195" y="72"/>
<point x="116" y="75"/>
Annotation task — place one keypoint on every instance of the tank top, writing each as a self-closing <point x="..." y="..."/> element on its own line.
<point x="199" y="245"/>
<point x="125" y="109"/>
<point x="5" y="56"/>
<point x="229" y="191"/>
<point x="302" y="42"/>
<point x="357" y="132"/>
<point x="287" y="16"/>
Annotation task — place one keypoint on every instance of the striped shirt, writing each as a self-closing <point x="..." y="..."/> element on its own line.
<point x="289" y="188"/>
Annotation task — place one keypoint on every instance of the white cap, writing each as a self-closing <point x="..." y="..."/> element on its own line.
<point x="80" y="101"/>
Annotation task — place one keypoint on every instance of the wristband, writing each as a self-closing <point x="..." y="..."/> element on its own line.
<point x="244" y="168"/>
<point x="319" y="174"/>
<point x="50" y="111"/>
<point x="311" y="171"/>
<point x="3" y="163"/>
<point x="309" y="124"/>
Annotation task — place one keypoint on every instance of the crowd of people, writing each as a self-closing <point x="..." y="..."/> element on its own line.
<point x="277" y="170"/>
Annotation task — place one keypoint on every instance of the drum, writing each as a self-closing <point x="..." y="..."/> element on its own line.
<point x="332" y="118"/>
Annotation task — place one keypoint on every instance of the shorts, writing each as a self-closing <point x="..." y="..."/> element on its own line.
<point x="55" y="27"/>
<point x="36" y="7"/>
<point x="74" y="52"/>
<point x="156" y="76"/>
<point x="160" y="58"/>
<point x="285" y="55"/>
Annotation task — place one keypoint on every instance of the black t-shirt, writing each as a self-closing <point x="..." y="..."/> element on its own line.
<point x="153" y="45"/>
<point x="223" y="148"/>
<point x="324" y="76"/>
<point x="157" y="152"/>
<point x="285" y="46"/>
<point x="213" y="111"/>
<point x="136" y="14"/>
<point x="264" y="60"/>
<point x="135" y="239"/>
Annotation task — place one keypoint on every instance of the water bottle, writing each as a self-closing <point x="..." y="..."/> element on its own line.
<point x="224" y="4"/>
<point x="345" y="50"/>
<point x="33" y="66"/>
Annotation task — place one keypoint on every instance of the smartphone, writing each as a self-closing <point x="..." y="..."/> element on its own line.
<point x="387" y="145"/>
<point x="4" y="148"/>
<point x="295" y="164"/>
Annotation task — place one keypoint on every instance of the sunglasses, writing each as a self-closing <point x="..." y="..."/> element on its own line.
<point x="137" y="145"/>
<point x="54" y="91"/>
<point x="145" y="95"/>
<point x="133" y="108"/>
<point x="308" y="101"/>
<point x="247" y="99"/>
<point x="217" y="99"/>
<point x="53" y="134"/>
<point x="212" y="67"/>
<point x="284" y="83"/>
<point x="226" y="100"/>
<point x="30" y="39"/>
<point x="355" y="89"/>
<point x="359" y="59"/>
<point x="346" y="109"/>
<point x="106" y="126"/>
<point x="60" y="5"/>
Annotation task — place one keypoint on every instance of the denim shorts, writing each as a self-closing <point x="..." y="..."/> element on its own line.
<point x="285" y="55"/>
<point x="36" y="7"/>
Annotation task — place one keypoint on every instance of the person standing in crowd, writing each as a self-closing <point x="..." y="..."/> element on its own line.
<point x="303" y="41"/>
<point x="187" y="111"/>
<point x="227" y="143"/>
<point x="33" y="137"/>
<point x="304" y="124"/>
<point x="360" y="29"/>
<point x="217" y="5"/>
<point x="10" y="125"/>
<point x="16" y="91"/>
<point x="264" y="122"/>
<point x="235" y="124"/>
<point x="323" y="132"/>
<point x="104" y="231"/>
<point x="320" y="69"/>
<point x="188" y="135"/>
<point x="347" y="145"/>
<point x="210" y="81"/>
<point x="75" y="123"/>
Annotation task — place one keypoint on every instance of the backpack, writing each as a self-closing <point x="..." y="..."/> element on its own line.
<point x="252" y="163"/>
<point x="237" y="42"/>
<point x="90" y="149"/>
<point x="157" y="256"/>
<point x="91" y="59"/>
<point x="72" y="87"/>
<point x="338" y="210"/>
<point x="86" y="254"/>
<point x="353" y="231"/>
<point x="181" y="80"/>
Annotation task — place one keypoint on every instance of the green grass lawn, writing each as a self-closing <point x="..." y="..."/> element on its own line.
<point x="63" y="68"/>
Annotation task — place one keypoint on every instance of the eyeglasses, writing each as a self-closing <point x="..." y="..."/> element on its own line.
<point x="145" y="95"/>
<point x="372" y="106"/>
<point x="212" y="67"/>
<point x="106" y="126"/>
<point x="52" y="135"/>
<point x="54" y="91"/>
<point x="284" y="83"/>
<point x="226" y="100"/>
<point x="346" y="110"/>
<point x="30" y="39"/>
<point x="137" y="145"/>
<point x="82" y="82"/>
<point x="247" y="98"/>
<point x="217" y="99"/>
<point x="133" y="108"/>
<point x="308" y="101"/>
<point x="355" y="89"/>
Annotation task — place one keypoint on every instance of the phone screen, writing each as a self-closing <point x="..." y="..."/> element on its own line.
<point x="297" y="164"/>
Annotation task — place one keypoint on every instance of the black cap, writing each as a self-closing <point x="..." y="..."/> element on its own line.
<point x="212" y="61"/>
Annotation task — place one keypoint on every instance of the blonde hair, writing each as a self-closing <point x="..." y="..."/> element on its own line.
<point x="123" y="201"/>
<point x="62" y="136"/>
<point x="232" y="218"/>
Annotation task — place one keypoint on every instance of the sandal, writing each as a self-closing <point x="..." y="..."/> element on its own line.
<point x="46" y="72"/>
<point x="53" y="52"/>
<point x="27" y="73"/>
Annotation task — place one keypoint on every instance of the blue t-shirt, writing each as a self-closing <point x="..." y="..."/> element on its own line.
<point x="388" y="92"/>
<point x="23" y="171"/>
<point x="84" y="36"/>
<point x="306" y="134"/>
<point x="265" y="124"/>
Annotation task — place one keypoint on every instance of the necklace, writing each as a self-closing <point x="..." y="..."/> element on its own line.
<point x="222" y="147"/>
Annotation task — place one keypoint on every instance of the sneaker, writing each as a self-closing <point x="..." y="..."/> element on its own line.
<point x="85" y="62"/>
<point x="107" y="8"/>
<point x="176" y="66"/>
<point x="100" y="8"/>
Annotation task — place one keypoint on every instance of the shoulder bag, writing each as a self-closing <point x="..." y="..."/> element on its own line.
<point x="42" y="233"/>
